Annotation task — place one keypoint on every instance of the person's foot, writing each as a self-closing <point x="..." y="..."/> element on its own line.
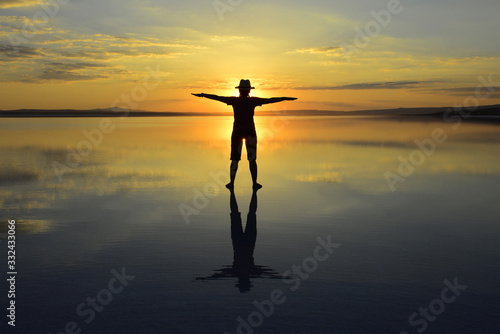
<point x="256" y="186"/>
<point x="230" y="186"/>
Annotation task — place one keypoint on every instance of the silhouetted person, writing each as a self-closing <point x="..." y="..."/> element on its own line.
<point x="244" y="126"/>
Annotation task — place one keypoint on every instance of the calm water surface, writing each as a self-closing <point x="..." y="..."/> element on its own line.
<point x="359" y="230"/>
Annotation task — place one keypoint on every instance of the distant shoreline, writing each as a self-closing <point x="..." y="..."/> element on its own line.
<point x="70" y="113"/>
<point x="483" y="112"/>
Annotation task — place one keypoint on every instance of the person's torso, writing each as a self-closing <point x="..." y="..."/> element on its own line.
<point x="244" y="109"/>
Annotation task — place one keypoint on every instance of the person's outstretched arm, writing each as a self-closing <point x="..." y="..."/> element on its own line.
<point x="277" y="99"/>
<point x="212" y="97"/>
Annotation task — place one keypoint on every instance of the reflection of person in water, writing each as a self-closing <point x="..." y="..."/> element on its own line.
<point x="243" y="267"/>
<point x="243" y="242"/>
<point x="244" y="126"/>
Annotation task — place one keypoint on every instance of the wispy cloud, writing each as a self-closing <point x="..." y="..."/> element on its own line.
<point x="70" y="56"/>
<point x="325" y="50"/>
<point x="107" y="47"/>
<point x="211" y="84"/>
<point x="67" y="76"/>
<point x="470" y="90"/>
<point x="489" y="91"/>
<point x="16" y="175"/>
<point x="76" y="66"/>
<point x="9" y="53"/>
<point x="113" y="54"/>
<point x="20" y="3"/>
<point x="58" y="71"/>
<point x="228" y="38"/>
<point x="368" y="85"/>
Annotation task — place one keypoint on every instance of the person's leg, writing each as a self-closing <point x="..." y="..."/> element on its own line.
<point x="236" y="146"/>
<point x="251" y="144"/>
<point x="253" y="171"/>
<point x="232" y="174"/>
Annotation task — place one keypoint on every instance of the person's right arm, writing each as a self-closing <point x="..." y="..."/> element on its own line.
<point x="212" y="97"/>
<point x="277" y="99"/>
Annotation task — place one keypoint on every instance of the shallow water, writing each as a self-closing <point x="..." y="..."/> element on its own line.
<point x="144" y="197"/>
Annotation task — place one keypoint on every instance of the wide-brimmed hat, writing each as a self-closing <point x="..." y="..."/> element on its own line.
<point x="245" y="84"/>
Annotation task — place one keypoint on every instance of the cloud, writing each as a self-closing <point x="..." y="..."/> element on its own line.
<point x="14" y="175"/>
<point x="133" y="42"/>
<point x="465" y="91"/>
<point x="76" y="66"/>
<point x="217" y="38"/>
<point x="92" y="54"/>
<point x="368" y="85"/>
<point x="481" y="92"/>
<point x="112" y="54"/>
<point x="328" y="50"/>
<point x="71" y="71"/>
<point x="66" y="55"/>
<point x="67" y="76"/>
<point x="20" y="3"/>
<point x="10" y="53"/>
<point x="112" y="47"/>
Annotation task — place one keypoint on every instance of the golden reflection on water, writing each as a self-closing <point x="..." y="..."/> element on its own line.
<point x="177" y="153"/>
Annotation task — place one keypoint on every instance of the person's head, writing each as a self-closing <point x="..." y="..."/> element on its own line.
<point x="245" y="87"/>
<point x="244" y="92"/>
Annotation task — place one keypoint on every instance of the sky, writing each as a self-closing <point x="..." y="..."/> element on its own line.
<point x="331" y="55"/>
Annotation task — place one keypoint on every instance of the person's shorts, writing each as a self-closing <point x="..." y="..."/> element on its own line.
<point x="250" y="138"/>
